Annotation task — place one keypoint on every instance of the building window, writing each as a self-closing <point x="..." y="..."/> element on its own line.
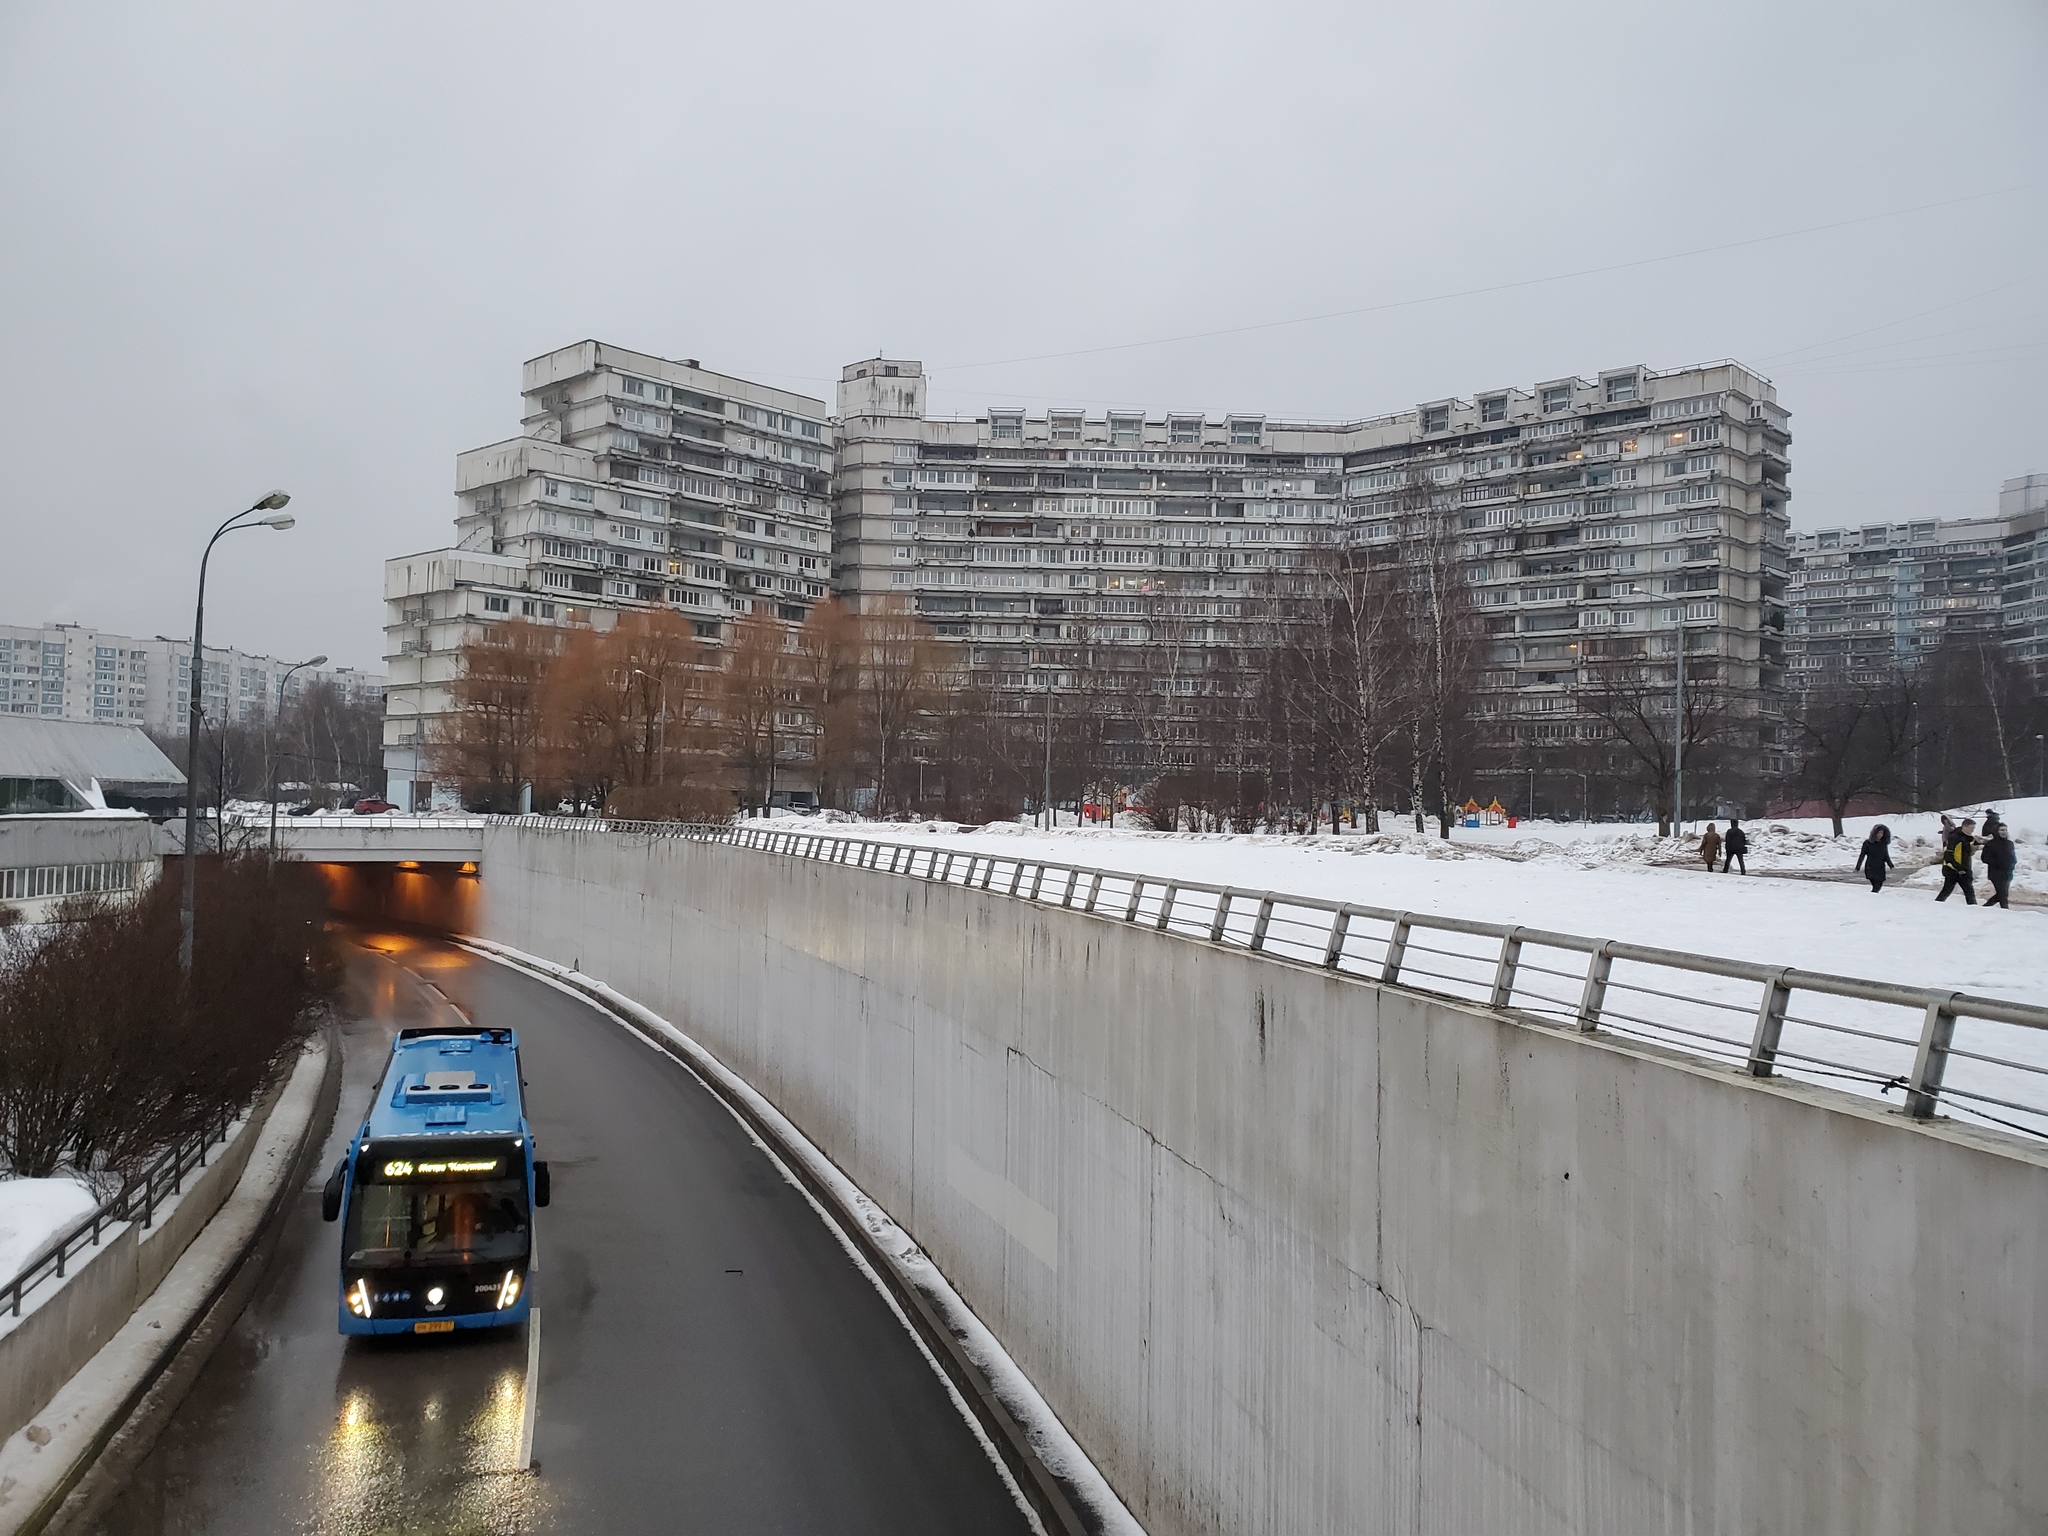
<point x="1558" y="397"/>
<point x="633" y="386"/>
<point x="1126" y="431"/>
<point x="1620" y="388"/>
<point x="583" y="493"/>
<point x="1066" y="429"/>
<point x="1494" y="408"/>
<point x="1008" y="427"/>
<point x="1436" y="418"/>
<point x="1184" y="429"/>
<point x="1246" y="430"/>
<point x="497" y="604"/>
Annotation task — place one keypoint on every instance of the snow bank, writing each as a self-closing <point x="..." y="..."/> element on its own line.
<point x="34" y="1211"/>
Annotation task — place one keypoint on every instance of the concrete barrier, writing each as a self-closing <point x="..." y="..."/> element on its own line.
<point x="71" y="1319"/>
<point x="1296" y="1254"/>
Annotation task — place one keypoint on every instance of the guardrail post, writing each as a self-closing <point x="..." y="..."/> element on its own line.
<point x="1397" y="947"/>
<point x="988" y="871"/>
<point x="1037" y="879"/>
<point x="1166" y="907"/>
<point x="1016" y="876"/>
<point x="1258" y="940"/>
<point x="1504" y="973"/>
<point x="1094" y="890"/>
<point x="1137" y="896"/>
<point x="1770" y="1023"/>
<point x="1222" y="916"/>
<point x="1073" y="879"/>
<point x="1932" y="1060"/>
<point x="1340" y="930"/>
<point x="1594" y="998"/>
<point x="946" y="873"/>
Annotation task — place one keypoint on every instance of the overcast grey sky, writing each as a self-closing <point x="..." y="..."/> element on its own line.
<point x="303" y="246"/>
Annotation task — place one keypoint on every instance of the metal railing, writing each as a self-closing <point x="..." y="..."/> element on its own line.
<point x="1763" y="1020"/>
<point x="137" y="1202"/>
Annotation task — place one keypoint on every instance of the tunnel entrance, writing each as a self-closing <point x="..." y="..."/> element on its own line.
<point x="440" y="898"/>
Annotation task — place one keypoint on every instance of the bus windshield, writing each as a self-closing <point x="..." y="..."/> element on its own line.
<point x="466" y="1221"/>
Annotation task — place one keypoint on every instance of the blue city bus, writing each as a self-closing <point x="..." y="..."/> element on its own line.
<point x="437" y="1191"/>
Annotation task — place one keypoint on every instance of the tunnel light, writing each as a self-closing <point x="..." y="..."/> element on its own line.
<point x="508" y="1289"/>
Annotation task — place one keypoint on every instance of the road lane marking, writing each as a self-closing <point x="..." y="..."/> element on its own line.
<point x="532" y="1391"/>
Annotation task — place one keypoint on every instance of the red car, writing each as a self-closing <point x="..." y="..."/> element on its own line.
<point x="373" y="806"/>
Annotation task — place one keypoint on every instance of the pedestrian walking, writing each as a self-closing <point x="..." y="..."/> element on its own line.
<point x="1875" y="856"/>
<point x="2000" y="858"/>
<point x="1710" y="847"/>
<point x="1734" y="846"/>
<point x="1956" y="873"/>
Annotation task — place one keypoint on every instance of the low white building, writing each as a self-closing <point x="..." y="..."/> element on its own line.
<point x="76" y="809"/>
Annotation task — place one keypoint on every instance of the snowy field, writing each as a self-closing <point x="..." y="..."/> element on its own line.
<point x="1621" y="882"/>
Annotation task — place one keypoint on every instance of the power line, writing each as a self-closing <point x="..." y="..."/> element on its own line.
<point x="1467" y="293"/>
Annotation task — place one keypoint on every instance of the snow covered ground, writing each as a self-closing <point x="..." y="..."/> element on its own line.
<point x="1620" y="882"/>
<point x="32" y="1212"/>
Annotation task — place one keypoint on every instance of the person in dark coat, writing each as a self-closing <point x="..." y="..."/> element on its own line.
<point x="1734" y="846"/>
<point x="1875" y="856"/>
<point x="2000" y="859"/>
<point x="1956" y="873"/>
<point x="1710" y="847"/>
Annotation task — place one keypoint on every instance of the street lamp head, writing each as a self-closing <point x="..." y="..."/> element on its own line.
<point x="317" y="661"/>
<point x="271" y="503"/>
<point x="280" y="522"/>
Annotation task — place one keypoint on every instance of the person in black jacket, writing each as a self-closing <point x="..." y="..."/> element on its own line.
<point x="2000" y="858"/>
<point x="1956" y="873"/>
<point x="1734" y="846"/>
<point x="1875" y="856"/>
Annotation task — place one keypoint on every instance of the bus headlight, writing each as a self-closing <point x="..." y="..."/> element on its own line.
<point x="508" y="1289"/>
<point x="434" y="1295"/>
<point x="359" y="1298"/>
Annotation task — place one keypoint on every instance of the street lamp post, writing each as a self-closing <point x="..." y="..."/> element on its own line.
<point x="271" y="504"/>
<point x="270" y="749"/>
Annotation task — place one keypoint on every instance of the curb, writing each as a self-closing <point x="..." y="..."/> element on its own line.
<point x="1048" y="1494"/>
<point x="125" y="1432"/>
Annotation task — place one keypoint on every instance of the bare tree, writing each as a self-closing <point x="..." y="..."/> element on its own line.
<point x="1631" y="704"/>
<point x="1855" y="738"/>
<point x="490" y="744"/>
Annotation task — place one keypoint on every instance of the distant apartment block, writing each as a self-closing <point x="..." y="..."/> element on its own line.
<point x="637" y="483"/>
<point x="1869" y="598"/>
<point x="74" y="672"/>
<point x="1598" y="518"/>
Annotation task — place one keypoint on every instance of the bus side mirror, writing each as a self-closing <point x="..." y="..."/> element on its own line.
<point x="330" y="1193"/>
<point x="543" y="1186"/>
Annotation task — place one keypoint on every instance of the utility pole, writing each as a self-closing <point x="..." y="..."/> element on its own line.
<point x="1678" y="738"/>
<point x="1048" y="750"/>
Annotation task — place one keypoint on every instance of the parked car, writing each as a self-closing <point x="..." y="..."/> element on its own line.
<point x="372" y="806"/>
<point x="303" y="808"/>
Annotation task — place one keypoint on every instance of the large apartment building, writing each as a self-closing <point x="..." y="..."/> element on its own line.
<point x="75" y="672"/>
<point x="1597" y="519"/>
<point x="636" y="483"/>
<point x="1866" y="599"/>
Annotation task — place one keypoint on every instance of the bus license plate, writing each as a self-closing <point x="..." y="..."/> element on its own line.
<point x="445" y="1325"/>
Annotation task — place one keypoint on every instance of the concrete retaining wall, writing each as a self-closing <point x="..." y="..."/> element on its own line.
<point x="1298" y="1255"/>
<point x="72" y="1319"/>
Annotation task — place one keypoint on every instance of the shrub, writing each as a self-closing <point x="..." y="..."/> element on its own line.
<point x="108" y="1055"/>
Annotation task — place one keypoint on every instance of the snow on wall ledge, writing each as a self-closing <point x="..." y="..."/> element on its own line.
<point x="1295" y="1255"/>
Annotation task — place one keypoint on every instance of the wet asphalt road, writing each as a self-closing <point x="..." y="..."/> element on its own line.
<point x="711" y="1359"/>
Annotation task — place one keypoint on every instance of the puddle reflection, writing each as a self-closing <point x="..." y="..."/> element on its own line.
<point x="399" y="1459"/>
